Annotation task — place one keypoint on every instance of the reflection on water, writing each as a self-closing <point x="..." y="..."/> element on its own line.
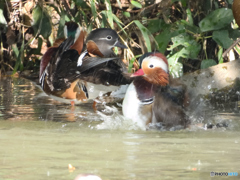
<point x="40" y="137"/>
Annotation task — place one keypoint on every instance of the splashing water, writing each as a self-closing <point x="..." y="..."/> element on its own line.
<point x="115" y="120"/>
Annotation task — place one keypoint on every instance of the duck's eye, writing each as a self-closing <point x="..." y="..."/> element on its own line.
<point x="151" y="66"/>
<point x="109" y="37"/>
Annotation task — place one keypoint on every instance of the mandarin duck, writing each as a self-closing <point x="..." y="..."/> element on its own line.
<point x="71" y="29"/>
<point x="155" y="98"/>
<point x="77" y="63"/>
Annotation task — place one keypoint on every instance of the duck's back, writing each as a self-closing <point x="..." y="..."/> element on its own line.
<point x="170" y="104"/>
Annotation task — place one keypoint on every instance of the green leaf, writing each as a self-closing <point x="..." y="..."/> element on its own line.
<point x="190" y="48"/>
<point x="109" y="13"/>
<point x="15" y="50"/>
<point x="165" y="36"/>
<point x="93" y="8"/>
<point x="145" y="34"/>
<point x="131" y="64"/>
<point x="190" y="27"/>
<point x="176" y="71"/>
<point x="155" y="25"/>
<point x="222" y="38"/>
<point x="136" y="4"/>
<point x="104" y="21"/>
<point x="207" y="63"/>
<point x="119" y="4"/>
<point x="80" y="3"/>
<point x="3" y="22"/>
<point x="217" y="19"/>
<point x="175" y="67"/>
<point x="163" y="40"/>
<point x="36" y="51"/>
<point x="220" y="58"/>
<point x="110" y="19"/>
<point x="84" y="17"/>
<point x="119" y="22"/>
<point x="60" y="32"/>
<point x="41" y="22"/>
<point x="237" y="49"/>
<point x="184" y="2"/>
<point x="108" y="5"/>
<point x="189" y="16"/>
<point x="234" y="33"/>
<point x="20" y="58"/>
<point x="127" y="14"/>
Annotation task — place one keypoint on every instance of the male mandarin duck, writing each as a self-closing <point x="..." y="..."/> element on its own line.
<point x="77" y="63"/>
<point x="71" y="29"/>
<point x="154" y="97"/>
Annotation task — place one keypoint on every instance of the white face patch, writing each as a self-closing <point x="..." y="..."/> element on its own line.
<point x="108" y="38"/>
<point x="77" y="34"/>
<point x="154" y="61"/>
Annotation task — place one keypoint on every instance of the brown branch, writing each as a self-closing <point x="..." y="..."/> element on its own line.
<point x="232" y="46"/>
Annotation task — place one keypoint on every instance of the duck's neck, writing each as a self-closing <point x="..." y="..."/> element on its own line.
<point x="145" y="90"/>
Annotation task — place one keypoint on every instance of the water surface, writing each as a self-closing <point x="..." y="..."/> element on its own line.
<point x="39" y="137"/>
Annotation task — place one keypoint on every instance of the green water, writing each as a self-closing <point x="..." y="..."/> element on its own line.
<point x="40" y="137"/>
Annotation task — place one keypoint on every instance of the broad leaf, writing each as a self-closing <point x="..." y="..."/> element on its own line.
<point x="222" y="38"/>
<point x="217" y="19"/>
<point x="191" y="47"/>
<point x="190" y="27"/>
<point x="207" y="63"/>
<point x="155" y="25"/>
<point x="127" y="14"/>
<point x="41" y="22"/>
<point x="136" y="4"/>
<point x="168" y="32"/>
<point x="176" y="70"/>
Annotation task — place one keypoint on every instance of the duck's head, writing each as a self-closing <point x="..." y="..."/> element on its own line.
<point x="104" y="39"/>
<point x="154" y="68"/>
<point x="71" y="29"/>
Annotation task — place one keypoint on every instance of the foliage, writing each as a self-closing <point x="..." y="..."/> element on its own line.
<point x="193" y="34"/>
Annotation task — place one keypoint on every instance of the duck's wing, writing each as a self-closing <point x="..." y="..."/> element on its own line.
<point x="168" y="108"/>
<point x="92" y="62"/>
<point x="107" y="73"/>
<point x="48" y="75"/>
<point x="67" y="70"/>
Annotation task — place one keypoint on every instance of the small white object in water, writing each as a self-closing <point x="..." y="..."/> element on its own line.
<point x="87" y="177"/>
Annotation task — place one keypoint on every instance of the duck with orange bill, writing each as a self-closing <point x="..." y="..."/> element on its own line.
<point x="154" y="99"/>
<point x="81" y="69"/>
